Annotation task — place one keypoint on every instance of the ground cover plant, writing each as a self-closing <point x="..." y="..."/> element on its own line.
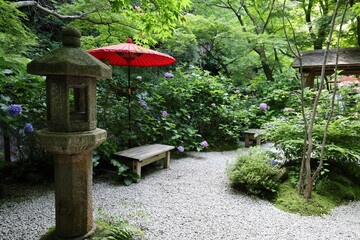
<point x="256" y="173"/>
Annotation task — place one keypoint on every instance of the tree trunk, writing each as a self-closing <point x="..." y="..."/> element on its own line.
<point x="308" y="189"/>
<point x="264" y="63"/>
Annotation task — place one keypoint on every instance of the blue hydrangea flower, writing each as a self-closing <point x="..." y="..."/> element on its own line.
<point x="273" y="162"/>
<point x="28" y="127"/>
<point x="15" y="109"/>
<point x="180" y="148"/>
<point x="156" y="116"/>
<point x="204" y="144"/>
<point x="168" y="75"/>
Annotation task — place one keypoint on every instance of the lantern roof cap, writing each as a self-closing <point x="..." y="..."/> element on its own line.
<point x="69" y="60"/>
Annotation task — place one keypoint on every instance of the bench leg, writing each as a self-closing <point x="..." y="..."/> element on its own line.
<point x="167" y="160"/>
<point x="258" y="140"/>
<point x="247" y="140"/>
<point x="137" y="170"/>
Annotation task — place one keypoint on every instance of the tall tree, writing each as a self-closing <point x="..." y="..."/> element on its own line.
<point x="318" y="22"/>
<point x="254" y="18"/>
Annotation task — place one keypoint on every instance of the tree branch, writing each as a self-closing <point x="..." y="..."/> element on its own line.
<point x="317" y="171"/>
<point x="84" y="16"/>
<point x="269" y="16"/>
<point x="253" y="19"/>
<point x="309" y="177"/>
<point x="296" y="52"/>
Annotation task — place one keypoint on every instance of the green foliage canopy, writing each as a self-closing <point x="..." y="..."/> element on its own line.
<point x="120" y="19"/>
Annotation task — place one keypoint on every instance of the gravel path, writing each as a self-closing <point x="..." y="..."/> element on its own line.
<point x="189" y="201"/>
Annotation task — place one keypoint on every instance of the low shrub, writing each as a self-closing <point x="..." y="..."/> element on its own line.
<point x="256" y="173"/>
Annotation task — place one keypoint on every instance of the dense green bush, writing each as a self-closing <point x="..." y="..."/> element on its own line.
<point x="256" y="173"/>
<point x="343" y="136"/>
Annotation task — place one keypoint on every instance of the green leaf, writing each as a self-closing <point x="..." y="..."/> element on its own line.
<point x="128" y="181"/>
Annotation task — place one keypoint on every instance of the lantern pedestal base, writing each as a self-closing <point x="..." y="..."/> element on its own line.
<point x="89" y="234"/>
<point x="73" y="179"/>
<point x="50" y="235"/>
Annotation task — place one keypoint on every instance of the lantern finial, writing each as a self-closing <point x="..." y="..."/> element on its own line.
<point x="71" y="37"/>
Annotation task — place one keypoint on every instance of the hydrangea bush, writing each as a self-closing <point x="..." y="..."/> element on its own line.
<point x="182" y="108"/>
<point x="22" y="111"/>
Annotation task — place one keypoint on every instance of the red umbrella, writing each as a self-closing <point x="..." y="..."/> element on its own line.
<point x="129" y="54"/>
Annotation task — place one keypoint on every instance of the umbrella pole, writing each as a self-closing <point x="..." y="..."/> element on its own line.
<point x="129" y="106"/>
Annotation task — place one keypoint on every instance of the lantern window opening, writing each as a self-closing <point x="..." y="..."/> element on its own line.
<point x="78" y="103"/>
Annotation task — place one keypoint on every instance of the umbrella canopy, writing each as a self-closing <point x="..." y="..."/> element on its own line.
<point x="129" y="54"/>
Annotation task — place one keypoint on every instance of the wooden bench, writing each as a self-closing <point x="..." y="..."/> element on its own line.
<point x="138" y="157"/>
<point x="250" y="135"/>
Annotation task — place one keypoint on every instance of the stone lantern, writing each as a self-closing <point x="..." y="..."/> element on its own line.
<point x="71" y="134"/>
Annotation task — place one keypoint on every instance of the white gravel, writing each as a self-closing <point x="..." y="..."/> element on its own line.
<point x="189" y="201"/>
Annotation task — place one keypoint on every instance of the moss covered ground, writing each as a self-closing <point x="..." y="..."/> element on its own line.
<point x="340" y="186"/>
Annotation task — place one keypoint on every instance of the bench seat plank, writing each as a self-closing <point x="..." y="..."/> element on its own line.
<point x="138" y="157"/>
<point x="144" y="152"/>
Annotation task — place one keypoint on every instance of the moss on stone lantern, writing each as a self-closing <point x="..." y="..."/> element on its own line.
<point x="71" y="135"/>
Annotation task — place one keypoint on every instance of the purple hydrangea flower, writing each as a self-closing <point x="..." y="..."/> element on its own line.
<point x="273" y="162"/>
<point x="15" y="109"/>
<point x="142" y="102"/>
<point x="164" y="113"/>
<point x="204" y="144"/>
<point x="28" y="127"/>
<point x="210" y="80"/>
<point x="263" y="106"/>
<point x="180" y="148"/>
<point x="168" y="75"/>
<point x="213" y="105"/>
<point x="188" y="75"/>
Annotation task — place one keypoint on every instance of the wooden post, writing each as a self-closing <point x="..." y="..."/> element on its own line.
<point x="137" y="170"/>
<point x="258" y="140"/>
<point x="309" y="80"/>
<point x="247" y="140"/>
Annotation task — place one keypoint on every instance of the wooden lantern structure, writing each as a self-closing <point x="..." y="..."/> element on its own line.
<point x="348" y="63"/>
